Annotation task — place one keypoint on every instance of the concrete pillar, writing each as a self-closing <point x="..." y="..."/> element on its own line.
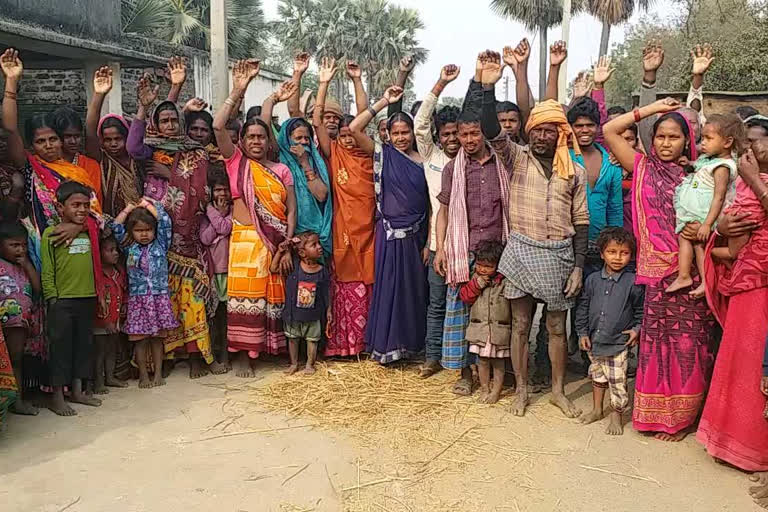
<point x="113" y="103"/>
<point x="219" y="53"/>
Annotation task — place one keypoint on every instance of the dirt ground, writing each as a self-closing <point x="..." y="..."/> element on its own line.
<point x="173" y="449"/>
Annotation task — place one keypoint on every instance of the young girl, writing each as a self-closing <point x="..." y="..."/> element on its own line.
<point x="215" y="229"/>
<point x="106" y="327"/>
<point x="306" y="298"/>
<point x="146" y="228"/>
<point x="701" y="195"/>
<point x="19" y="284"/>
<point x="489" y="332"/>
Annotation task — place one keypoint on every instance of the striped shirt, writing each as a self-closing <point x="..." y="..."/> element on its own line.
<point x="539" y="207"/>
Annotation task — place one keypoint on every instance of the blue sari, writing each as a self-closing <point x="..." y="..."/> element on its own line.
<point x="397" y="320"/>
<point x="311" y="215"/>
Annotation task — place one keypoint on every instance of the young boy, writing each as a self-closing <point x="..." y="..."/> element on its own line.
<point x="307" y="298"/>
<point x="608" y="316"/>
<point x="69" y="289"/>
<point x="215" y="230"/>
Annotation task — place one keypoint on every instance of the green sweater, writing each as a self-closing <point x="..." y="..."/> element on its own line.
<point x="67" y="269"/>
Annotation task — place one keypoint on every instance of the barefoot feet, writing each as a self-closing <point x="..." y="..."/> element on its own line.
<point x="309" y="370"/>
<point x="591" y="416"/>
<point x="561" y="402"/>
<point x="699" y="292"/>
<point x="82" y="398"/>
<point x="114" y="382"/>
<point x="679" y="284"/>
<point x="519" y="402"/>
<point x="759" y="492"/>
<point x="58" y="405"/>
<point x="292" y="369"/>
<point x="218" y="368"/>
<point x="615" y="427"/>
<point x="24" y="408"/>
<point x="671" y="438"/>
<point x="197" y="368"/>
<point x="243" y="367"/>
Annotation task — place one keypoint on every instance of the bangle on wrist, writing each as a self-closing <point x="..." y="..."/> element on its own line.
<point x="10" y="95"/>
<point x="230" y="102"/>
<point x="636" y="113"/>
<point x="372" y="111"/>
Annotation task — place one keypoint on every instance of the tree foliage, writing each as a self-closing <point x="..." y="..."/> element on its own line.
<point x="374" y="33"/>
<point x="187" y="22"/>
<point x="736" y="29"/>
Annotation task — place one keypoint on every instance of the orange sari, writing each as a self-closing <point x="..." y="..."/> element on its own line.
<point x="354" y="204"/>
<point x="93" y="170"/>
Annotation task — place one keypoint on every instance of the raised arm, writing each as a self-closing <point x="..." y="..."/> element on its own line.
<point x="653" y="58"/>
<point x="177" y="72"/>
<point x="355" y="74"/>
<point x="557" y="55"/>
<point x="492" y="72"/>
<point x="325" y="74"/>
<point x="242" y="74"/>
<point x="102" y="84"/>
<point x="357" y="127"/>
<point x="422" y="123"/>
<point x="517" y="59"/>
<point x="620" y="148"/>
<point x="406" y="66"/>
<point x="147" y="94"/>
<point x="702" y="60"/>
<point x="12" y="68"/>
<point x="602" y="73"/>
<point x="300" y="66"/>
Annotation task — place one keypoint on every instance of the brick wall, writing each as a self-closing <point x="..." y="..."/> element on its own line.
<point x="130" y="78"/>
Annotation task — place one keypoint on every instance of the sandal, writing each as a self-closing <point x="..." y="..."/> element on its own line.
<point x="429" y="369"/>
<point x="463" y="387"/>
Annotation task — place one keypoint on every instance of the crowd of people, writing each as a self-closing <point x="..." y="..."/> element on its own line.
<point x="127" y="245"/>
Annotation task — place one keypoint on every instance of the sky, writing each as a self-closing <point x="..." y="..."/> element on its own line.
<point x="457" y="30"/>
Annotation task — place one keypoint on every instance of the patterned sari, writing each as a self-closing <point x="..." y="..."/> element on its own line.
<point x="354" y="206"/>
<point x="675" y="354"/>
<point x="184" y="197"/>
<point x="256" y="296"/>
<point x="120" y="185"/>
<point x="8" y="385"/>
<point x="732" y="427"/>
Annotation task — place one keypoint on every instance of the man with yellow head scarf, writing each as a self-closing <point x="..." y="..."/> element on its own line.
<point x="548" y="228"/>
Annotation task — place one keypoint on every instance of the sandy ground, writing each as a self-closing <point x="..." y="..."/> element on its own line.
<point x="157" y="450"/>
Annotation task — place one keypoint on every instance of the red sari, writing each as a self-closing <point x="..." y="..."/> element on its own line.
<point x="732" y="427"/>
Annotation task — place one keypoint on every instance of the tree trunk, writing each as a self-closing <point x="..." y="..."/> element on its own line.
<point x="605" y="39"/>
<point x="543" y="52"/>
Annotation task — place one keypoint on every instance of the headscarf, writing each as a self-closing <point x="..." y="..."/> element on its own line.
<point x="551" y="111"/>
<point x="311" y="215"/>
<point x="172" y="144"/>
<point x="119" y="118"/>
<point x="331" y="106"/>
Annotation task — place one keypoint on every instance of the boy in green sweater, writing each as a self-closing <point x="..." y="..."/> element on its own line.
<point x="70" y="292"/>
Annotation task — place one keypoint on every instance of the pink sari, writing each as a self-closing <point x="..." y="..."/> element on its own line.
<point x="732" y="427"/>
<point x="675" y="354"/>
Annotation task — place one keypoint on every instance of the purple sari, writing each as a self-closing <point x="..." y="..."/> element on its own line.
<point x="397" y="320"/>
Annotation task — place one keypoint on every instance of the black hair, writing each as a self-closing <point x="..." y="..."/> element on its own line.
<point x="9" y="210"/>
<point x="399" y="117"/>
<point x="415" y="107"/>
<point x="746" y="111"/>
<point x="633" y="128"/>
<point x="730" y="125"/>
<point x="251" y="121"/>
<point x="70" y="188"/>
<point x="616" y="110"/>
<point x="12" y="229"/>
<point x="140" y="214"/>
<point x="191" y="117"/>
<point x="112" y="122"/>
<point x="614" y="234"/>
<point x="253" y="112"/>
<point x="235" y="125"/>
<point x="346" y="120"/>
<point x="506" y="106"/>
<point x="682" y="123"/>
<point x="107" y="238"/>
<point x="301" y="238"/>
<point x="65" y="117"/>
<point x="468" y="117"/>
<point x="298" y="123"/>
<point x="446" y="115"/>
<point x="489" y="251"/>
<point x="37" y="122"/>
<point x="584" y="107"/>
<point x="762" y="123"/>
<point x="217" y="176"/>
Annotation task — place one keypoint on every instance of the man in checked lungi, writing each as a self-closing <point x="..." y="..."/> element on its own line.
<point x="548" y="232"/>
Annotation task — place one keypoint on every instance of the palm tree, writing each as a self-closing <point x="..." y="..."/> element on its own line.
<point x="613" y="12"/>
<point x="187" y="22"/>
<point x="535" y="15"/>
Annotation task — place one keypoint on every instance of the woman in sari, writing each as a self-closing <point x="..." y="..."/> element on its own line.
<point x="69" y="127"/>
<point x="177" y="168"/>
<point x="310" y="178"/>
<point x="8" y="386"/>
<point x="105" y="141"/>
<point x="44" y="171"/>
<point x="675" y="357"/>
<point x="264" y="218"/>
<point x="397" y="320"/>
<point x="733" y="427"/>
<point x="354" y="204"/>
